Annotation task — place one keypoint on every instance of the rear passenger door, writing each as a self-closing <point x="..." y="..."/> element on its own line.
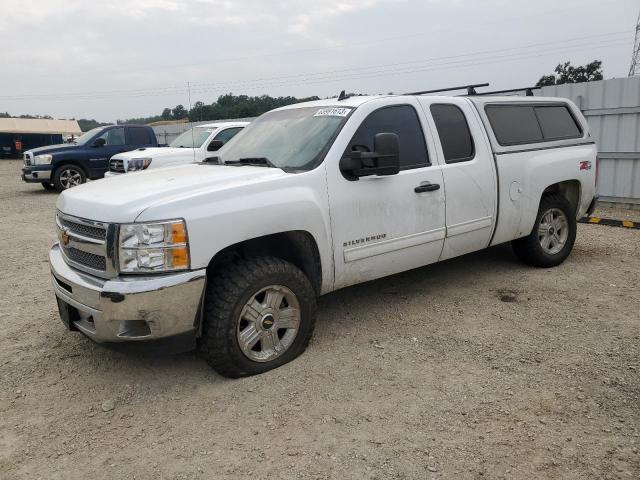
<point x="138" y="137"/>
<point x="469" y="175"/>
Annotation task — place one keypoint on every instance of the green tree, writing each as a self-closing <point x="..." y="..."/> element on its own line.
<point x="166" y="114"/>
<point x="179" y="112"/>
<point x="567" y="73"/>
<point x="239" y="106"/>
<point x="86" y="124"/>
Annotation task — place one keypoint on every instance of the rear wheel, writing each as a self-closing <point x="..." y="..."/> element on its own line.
<point x="258" y="314"/>
<point x="553" y="235"/>
<point x="68" y="176"/>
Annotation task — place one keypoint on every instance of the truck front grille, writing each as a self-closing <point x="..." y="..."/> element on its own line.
<point x="87" y="259"/>
<point x="87" y="245"/>
<point x="27" y="159"/>
<point x="98" y="233"/>
<point x="116" y="165"/>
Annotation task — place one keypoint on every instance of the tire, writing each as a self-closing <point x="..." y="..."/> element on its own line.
<point x="553" y="234"/>
<point x="230" y="325"/>
<point x="68" y="176"/>
<point x="47" y="186"/>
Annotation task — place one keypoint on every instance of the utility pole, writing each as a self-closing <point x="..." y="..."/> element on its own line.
<point x="634" y="70"/>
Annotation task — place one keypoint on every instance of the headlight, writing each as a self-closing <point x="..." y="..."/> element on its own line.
<point x="42" y="159"/>
<point x="153" y="247"/>
<point x="136" y="164"/>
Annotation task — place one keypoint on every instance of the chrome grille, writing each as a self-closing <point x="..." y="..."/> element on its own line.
<point x="116" y="165"/>
<point x="27" y="159"/>
<point x="87" y="259"/>
<point x="98" y="233"/>
<point x="87" y="245"/>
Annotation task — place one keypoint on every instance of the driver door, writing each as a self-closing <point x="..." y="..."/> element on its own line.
<point x="383" y="225"/>
<point x="115" y="142"/>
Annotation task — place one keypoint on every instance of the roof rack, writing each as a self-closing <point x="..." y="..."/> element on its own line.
<point x="527" y="90"/>
<point x="471" y="89"/>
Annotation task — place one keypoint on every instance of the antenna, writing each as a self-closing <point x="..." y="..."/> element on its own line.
<point x="193" y="142"/>
<point x="343" y="96"/>
<point x="471" y="89"/>
<point x="635" y="56"/>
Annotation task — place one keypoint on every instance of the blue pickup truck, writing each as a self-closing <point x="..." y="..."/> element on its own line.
<point x="67" y="165"/>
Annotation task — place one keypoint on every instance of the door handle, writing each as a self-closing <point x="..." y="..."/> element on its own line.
<point x="427" y="187"/>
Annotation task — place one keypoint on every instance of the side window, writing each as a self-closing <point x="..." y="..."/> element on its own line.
<point x="518" y="124"/>
<point x="228" y="134"/>
<point x="114" y="136"/>
<point x="557" y="122"/>
<point x="137" y="136"/>
<point x="453" y="130"/>
<point x="514" y="124"/>
<point x="401" y="120"/>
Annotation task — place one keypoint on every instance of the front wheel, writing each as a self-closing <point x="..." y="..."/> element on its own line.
<point x="68" y="176"/>
<point x="553" y="234"/>
<point x="259" y="314"/>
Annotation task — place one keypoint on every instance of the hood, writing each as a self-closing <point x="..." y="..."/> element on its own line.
<point x="53" y="148"/>
<point x="121" y="199"/>
<point x="153" y="152"/>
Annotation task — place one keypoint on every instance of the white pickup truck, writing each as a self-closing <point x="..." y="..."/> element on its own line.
<point x="194" y="145"/>
<point x="230" y="257"/>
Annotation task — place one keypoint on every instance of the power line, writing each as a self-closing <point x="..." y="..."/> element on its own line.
<point x="349" y="44"/>
<point x="363" y="75"/>
<point x="444" y="66"/>
<point x="358" y="72"/>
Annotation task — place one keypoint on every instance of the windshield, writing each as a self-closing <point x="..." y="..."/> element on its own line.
<point x="192" y="140"/>
<point x="291" y="139"/>
<point x="85" y="137"/>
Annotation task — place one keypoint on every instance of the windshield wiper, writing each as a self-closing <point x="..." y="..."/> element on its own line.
<point x="256" y="161"/>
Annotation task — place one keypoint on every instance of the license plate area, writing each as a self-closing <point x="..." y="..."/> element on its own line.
<point x="68" y="314"/>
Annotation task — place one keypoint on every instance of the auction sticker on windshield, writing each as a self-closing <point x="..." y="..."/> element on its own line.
<point x="332" y="112"/>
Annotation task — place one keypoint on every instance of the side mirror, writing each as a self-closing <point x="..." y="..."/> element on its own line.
<point x="384" y="160"/>
<point x="100" y="142"/>
<point x="215" y="145"/>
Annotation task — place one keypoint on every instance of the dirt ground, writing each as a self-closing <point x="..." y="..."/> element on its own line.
<point x="478" y="367"/>
<point x="632" y="214"/>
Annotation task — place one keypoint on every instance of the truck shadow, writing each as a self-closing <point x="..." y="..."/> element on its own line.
<point x="333" y="309"/>
<point x="37" y="192"/>
<point x="430" y="279"/>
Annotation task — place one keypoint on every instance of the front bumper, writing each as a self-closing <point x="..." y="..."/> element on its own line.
<point x="128" y="309"/>
<point x="36" y="174"/>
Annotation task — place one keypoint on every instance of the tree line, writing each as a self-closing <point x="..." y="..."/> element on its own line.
<point x="242" y="106"/>
<point x="230" y="106"/>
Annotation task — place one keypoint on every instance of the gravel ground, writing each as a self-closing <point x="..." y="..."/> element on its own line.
<point x="632" y="214"/>
<point x="478" y="367"/>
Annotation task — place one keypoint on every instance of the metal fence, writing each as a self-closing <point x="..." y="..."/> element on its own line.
<point x="169" y="132"/>
<point x="612" y="109"/>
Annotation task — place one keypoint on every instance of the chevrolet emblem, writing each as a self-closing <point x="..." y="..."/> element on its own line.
<point x="64" y="237"/>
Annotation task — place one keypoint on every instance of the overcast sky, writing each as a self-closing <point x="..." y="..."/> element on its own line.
<point x="114" y="59"/>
